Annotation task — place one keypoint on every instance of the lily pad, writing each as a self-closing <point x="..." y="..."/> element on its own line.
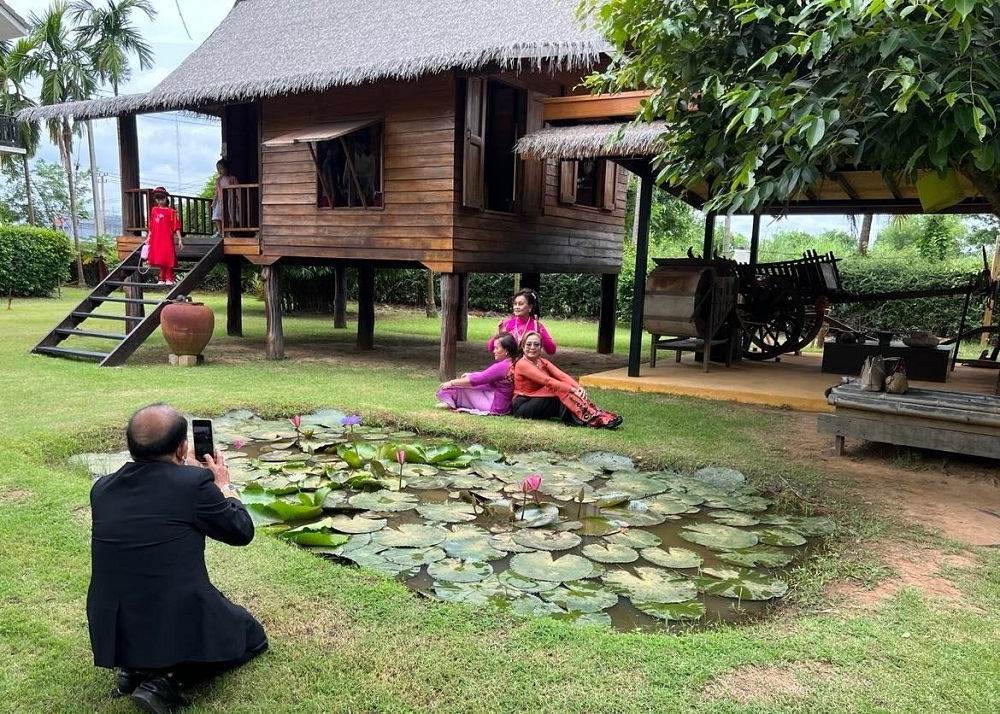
<point x="355" y="524"/>
<point x="506" y="543"/>
<point x="541" y="539"/>
<point x="690" y="610"/>
<point x="542" y="566"/>
<point x="759" y="556"/>
<point x="633" y="516"/>
<point x="668" y="504"/>
<point x="723" y="478"/>
<point x="536" y="516"/>
<point x="780" y="536"/>
<point x="733" y="518"/>
<point x="718" y="537"/>
<point x="809" y="526"/>
<point x="471" y="543"/>
<point x="635" y="538"/>
<point x="672" y="557"/>
<point x="412" y="535"/>
<point x="447" y="511"/>
<point x="651" y="584"/>
<point x="637" y="484"/>
<point x="607" y="461"/>
<point x="581" y="596"/>
<point x="393" y="501"/>
<point x="527" y="605"/>
<point x="315" y="538"/>
<point x="453" y="570"/>
<point x="599" y="526"/>
<point x="754" y="504"/>
<point x="584" y="619"/>
<point x="610" y="553"/>
<point x="413" y="556"/>
<point x="741" y="584"/>
<point x="469" y="593"/>
<point x="510" y="579"/>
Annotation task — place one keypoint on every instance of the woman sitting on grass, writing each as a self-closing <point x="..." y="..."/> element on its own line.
<point x="489" y="391"/>
<point x="543" y="391"/>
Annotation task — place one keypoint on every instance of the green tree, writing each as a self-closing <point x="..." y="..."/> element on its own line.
<point x="14" y="72"/>
<point x="50" y="189"/>
<point x="766" y="98"/>
<point x="111" y="37"/>
<point x="63" y="65"/>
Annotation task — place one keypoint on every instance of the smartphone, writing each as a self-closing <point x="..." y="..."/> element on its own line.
<point x="204" y="442"/>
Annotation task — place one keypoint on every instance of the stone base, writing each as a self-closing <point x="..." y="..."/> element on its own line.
<point x="187" y="360"/>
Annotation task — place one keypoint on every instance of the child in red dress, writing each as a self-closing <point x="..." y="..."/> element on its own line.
<point x="164" y="233"/>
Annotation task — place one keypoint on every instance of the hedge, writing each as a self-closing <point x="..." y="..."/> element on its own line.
<point x="33" y="261"/>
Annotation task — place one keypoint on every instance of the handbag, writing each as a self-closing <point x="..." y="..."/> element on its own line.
<point x="873" y="374"/>
<point x="144" y="258"/>
<point x="897" y="382"/>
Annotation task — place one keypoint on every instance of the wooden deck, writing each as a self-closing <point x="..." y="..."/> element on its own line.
<point x="247" y="247"/>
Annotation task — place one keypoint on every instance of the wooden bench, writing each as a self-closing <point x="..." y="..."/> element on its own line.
<point x="958" y="422"/>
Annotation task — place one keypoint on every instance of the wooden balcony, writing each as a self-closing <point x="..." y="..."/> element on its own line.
<point x="593" y="107"/>
<point x="10" y="141"/>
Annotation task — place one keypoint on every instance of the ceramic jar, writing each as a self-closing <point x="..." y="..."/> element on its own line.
<point x="187" y="326"/>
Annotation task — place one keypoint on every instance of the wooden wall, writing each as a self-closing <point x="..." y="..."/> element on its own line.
<point x="418" y="184"/>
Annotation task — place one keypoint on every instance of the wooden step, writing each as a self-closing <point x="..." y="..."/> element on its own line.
<point x="66" y="352"/>
<point x="127" y="301"/>
<point x="91" y="333"/>
<point x="84" y="314"/>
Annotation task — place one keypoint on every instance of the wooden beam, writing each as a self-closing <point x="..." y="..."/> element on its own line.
<point x="366" y="308"/>
<point x="845" y="187"/>
<point x="449" y="325"/>
<point x="893" y="187"/>
<point x="340" y="298"/>
<point x="275" y="339"/>
<point x="593" y="106"/>
<point x="608" y="318"/>
<point x="234" y="297"/>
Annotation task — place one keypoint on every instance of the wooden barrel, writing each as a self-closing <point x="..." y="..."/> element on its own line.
<point x="676" y="300"/>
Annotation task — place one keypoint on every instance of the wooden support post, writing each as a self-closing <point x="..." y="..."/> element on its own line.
<point x="639" y="287"/>
<point x="431" y="305"/>
<point x="450" y="291"/>
<point x="340" y="298"/>
<point x="128" y="167"/>
<point x="275" y="340"/>
<point x="608" y="319"/>
<point x="706" y="249"/>
<point x="462" y="329"/>
<point x="234" y="297"/>
<point x="755" y="239"/>
<point x="366" y="308"/>
<point x="531" y="280"/>
<point x="135" y="312"/>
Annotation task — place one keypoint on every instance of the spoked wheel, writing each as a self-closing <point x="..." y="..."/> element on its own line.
<point x="814" y="315"/>
<point x="773" y="316"/>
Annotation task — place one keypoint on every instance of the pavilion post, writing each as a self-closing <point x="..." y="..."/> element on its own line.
<point x="450" y="292"/>
<point x="639" y="286"/>
<point x="128" y="166"/>
<point x="366" y="308"/>
<point x="755" y="239"/>
<point x="462" y="329"/>
<point x="275" y="339"/>
<point x="608" y="318"/>
<point x="531" y="280"/>
<point x="340" y="298"/>
<point x="234" y="297"/>
<point x="706" y="250"/>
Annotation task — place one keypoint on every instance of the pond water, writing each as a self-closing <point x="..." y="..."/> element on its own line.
<point x="592" y="540"/>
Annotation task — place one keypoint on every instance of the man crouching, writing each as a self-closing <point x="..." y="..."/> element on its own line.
<point x="152" y="611"/>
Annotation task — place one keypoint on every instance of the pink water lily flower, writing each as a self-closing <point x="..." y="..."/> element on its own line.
<point x="401" y="457"/>
<point x="296" y="421"/>
<point x="531" y="483"/>
<point x="351" y="420"/>
<point x="238" y="443"/>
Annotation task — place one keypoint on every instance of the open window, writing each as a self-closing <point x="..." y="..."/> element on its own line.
<point x="348" y="158"/>
<point x="588" y="182"/>
<point x="494" y="177"/>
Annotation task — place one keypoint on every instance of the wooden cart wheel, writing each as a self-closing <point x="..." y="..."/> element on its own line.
<point x="773" y="317"/>
<point x="814" y="315"/>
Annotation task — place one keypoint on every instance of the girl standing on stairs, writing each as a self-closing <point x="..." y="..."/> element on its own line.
<point x="164" y="235"/>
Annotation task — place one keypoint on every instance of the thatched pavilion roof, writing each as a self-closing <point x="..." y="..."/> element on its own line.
<point x="594" y="140"/>
<point x="266" y="48"/>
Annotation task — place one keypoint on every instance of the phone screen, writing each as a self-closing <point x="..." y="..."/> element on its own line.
<point x="203" y="441"/>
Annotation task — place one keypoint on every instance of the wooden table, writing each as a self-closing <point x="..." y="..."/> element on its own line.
<point x="958" y="422"/>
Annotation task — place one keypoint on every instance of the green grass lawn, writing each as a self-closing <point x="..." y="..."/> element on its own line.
<point x="344" y="640"/>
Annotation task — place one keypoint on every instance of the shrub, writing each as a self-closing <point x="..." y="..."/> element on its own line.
<point x="33" y="261"/>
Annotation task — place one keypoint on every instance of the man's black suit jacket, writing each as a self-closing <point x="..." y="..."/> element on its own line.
<point x="150" y="603"/>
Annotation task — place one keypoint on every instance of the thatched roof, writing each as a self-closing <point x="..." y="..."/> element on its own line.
<point x="265" y="48"/>
<point x="593" y="140"/>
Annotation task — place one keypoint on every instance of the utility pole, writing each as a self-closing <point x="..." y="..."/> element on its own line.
<point x="98" y="203"/>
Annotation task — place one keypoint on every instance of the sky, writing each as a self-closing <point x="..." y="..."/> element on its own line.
<point x="175" y="151"/>
<point x="179" y="151"/>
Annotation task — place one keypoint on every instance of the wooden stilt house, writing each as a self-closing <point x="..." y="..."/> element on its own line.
<point x="381" y="135"/>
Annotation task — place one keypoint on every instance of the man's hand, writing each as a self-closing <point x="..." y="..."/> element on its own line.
<point x="217" y="465"/>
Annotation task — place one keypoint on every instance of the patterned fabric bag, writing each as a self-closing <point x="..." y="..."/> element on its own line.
<point x="586" y="413"/>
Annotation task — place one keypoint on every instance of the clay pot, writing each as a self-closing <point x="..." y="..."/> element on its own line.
<point x="187" y="326"/>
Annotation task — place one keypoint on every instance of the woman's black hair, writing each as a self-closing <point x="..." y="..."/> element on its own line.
<point x="509" y="343"/>
<point x="534" y="302"/>
<point x="223" y="163"/>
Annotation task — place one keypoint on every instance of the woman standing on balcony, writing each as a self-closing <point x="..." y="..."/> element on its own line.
<point x="223" y="206"/>
<point x="164" y="235"/>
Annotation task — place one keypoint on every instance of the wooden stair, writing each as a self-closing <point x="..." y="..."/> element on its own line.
<point x="126" y="286"/>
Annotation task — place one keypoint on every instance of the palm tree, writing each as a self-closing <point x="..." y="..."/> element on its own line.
<point x="14" y="71"/>
<point x="111" y="37"/>
<point x="63" y="65"/>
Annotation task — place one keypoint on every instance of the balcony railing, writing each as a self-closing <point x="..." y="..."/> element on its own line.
<point x="194" y="212"/>
<point x="9" y="137"/>
<point x="241" y="214"/>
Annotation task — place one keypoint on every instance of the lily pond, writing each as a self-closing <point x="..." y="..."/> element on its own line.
<point x="592" y="540"/>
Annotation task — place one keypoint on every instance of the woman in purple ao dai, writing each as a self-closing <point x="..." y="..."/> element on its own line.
<point x="489" y="391"/>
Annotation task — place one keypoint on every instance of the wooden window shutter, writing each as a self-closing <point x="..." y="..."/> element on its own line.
<point x="533" y="198"/>
<point x="567" y="182"/>
<point x="473" y="155"/>
<point x="609" y="191"/>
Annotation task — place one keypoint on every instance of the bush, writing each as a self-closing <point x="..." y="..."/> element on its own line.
<point x="33" y="261"/>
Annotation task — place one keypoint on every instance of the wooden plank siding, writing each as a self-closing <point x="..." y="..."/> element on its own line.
<point x="422" y="219"/>
<point x="415" y="223"/>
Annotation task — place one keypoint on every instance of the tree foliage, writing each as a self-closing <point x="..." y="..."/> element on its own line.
<point x="765" y="98"/>
<point x="49" y="190"/>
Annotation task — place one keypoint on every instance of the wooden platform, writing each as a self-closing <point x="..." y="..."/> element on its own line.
<point x="957" y="422"/>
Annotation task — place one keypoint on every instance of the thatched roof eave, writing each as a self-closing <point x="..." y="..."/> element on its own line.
<point x="617" y="140"/>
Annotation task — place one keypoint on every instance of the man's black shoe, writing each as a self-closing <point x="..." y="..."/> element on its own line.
<point x="126" y="680"/>
<point x="155" y="695"/>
